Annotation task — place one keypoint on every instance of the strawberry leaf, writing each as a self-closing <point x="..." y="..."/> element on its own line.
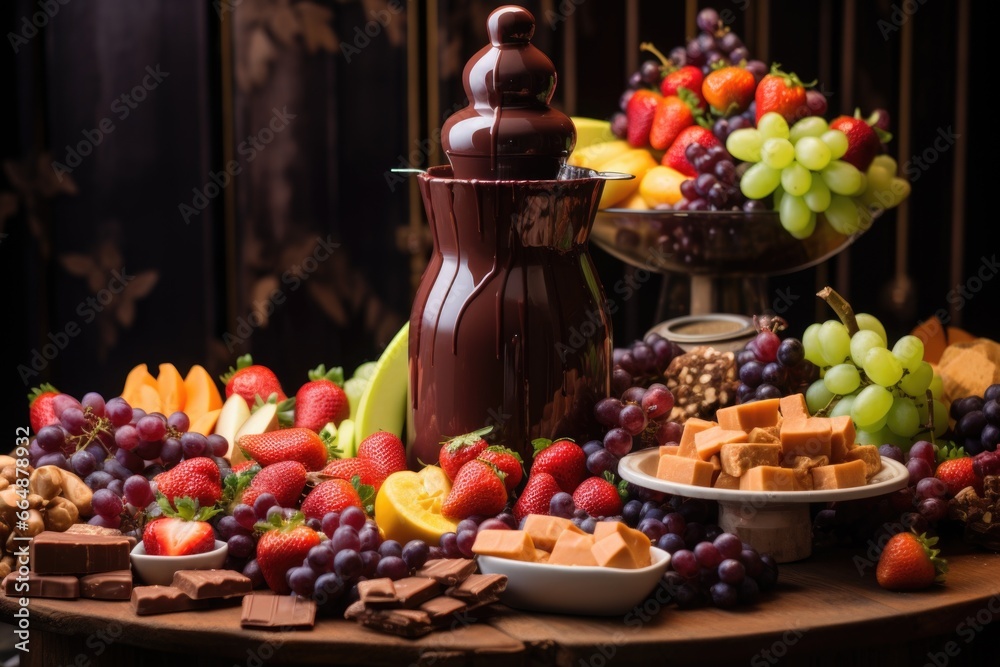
<point x="39" y="390"/>
<point x="466" y="439"/>
<point x="539" y="444"/>
<point x="334" y="375"/>
<point x="499" y="473"/>
<point x="241" y="363"/>
<point x="367" y="494"/>
<point x="235" y="484"/>
<point x="328" y="434"/>
<point x="500" y="449"/>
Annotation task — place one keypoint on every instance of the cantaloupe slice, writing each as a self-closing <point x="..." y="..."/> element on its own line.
<point x="138" y="377"/>
<point x="202" y="393"/>
<point x="171" y="386"/>
<point x="147" y="398"/>
<point x="205" y="424"/>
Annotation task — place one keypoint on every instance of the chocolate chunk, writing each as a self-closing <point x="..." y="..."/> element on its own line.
<point x="401" y="622"/>
<point x="448" y="571"/>
<point x="78" y="553"/>
<point x="277" y="611"/>
<point x="148" y="600"/>
<point x="41" y="586"/>
<point x="442" y="607"/>
<point x="410" y="592"/>
<point x="377" y="590"/>
<point x="355" y="610"/>
<point x="90" y="529"/>
<point x="107" y="585"/>
<point x="480" y="588"/>
<point x="203" y="584"/>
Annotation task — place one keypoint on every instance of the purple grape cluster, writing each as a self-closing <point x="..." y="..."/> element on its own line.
<point x="637" y="420"/>
<point x="977" y="421"/>
<point x="714" y="46"/>
<point x="642" y="363"/>
<point x="716" y="187"/>
<point x="771" y="368"/>
<point x="723" y="127"/>
<point x="458" y="544"/>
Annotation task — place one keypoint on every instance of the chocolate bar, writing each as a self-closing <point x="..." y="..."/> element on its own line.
<point x="204" y="584"/>
<point x="77" y="553"/>
<point x="410" y="592"/>
<point x="479" y="588"/>
<point x="41" y="586"/>
<point x="402" y="622"/>
<point x="149" y="600"/>
<point x="442" y="608"/>
<point x="448" y="571"/>
<point x="91" y="529"/>
<point x="376" y="590"/>
<point x="107" y="585"/>
<point x="277" y="611"/>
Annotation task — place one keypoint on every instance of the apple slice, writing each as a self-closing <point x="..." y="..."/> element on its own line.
<point x="264" y="419"/>
<point x="383" y="405"/>
<point x="346" y="441"/>
<point x="235" y="412"/>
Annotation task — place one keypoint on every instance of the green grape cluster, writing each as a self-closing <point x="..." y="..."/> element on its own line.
<point x="801" y="166"/>
<point x="883" y="390"/>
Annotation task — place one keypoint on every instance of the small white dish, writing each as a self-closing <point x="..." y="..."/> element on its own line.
<point x="159" y="570"/>
<point x="579" y="590"/>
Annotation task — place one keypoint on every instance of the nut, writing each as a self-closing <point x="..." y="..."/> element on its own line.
<point x="78" y="493"/>
<point x="60" y="514"/>
<point x="8" y="505"/>
<point x="36" y="502"/>
<point x="36" y="523"/>
<point x="3" y="483"/>
<point x="6" y="460"/>
<point x="9" y="472"/>
<point x="46" y="481"/>
<point x="4" y="532"/>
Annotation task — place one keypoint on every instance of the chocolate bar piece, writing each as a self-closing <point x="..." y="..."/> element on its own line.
<point x="442" y="607"/>
<point x="77" y="553"/>
<point x="402" y="622"/>
<point x="479" y="588"/>
<point x="377" y="590"/>
<point x="204" y="584"/>
<point x="448" y="571"/>
<point x="91" y="529"/>
<point x="41" y="586"/>
<point x="149" y="600"/>
<point x="410" y="592"/>
<point x="107" y="585"/>
<point x="277" y="611"/>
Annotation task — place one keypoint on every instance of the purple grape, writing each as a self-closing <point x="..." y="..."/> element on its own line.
<point x="923" y="449"/>
<point x="731" y="571"/>
<point x="675" y="523"/>
<point x="703" y="183"/>
<point x="348" y="564"/>
<point x="217" y="445"/>
<point x="354" y="517"/>
<point x="464" y="542"/>
<point x="330" y="523"/>
<point x="588" y="525"/>
<point x="369" y="538"/>
<point x="561" y="504"/>
<point x="752" y="562"/>
<point x="393" y="567"/>
<point x="171" y="451"/>
<point x="933" y="509"/>
<point x="990" y="437"/>
<point x="758" y="68"/>
<point x="607" y="410"/>
<point x="657" y="401"/>
<point x="919" y="469"/>
<point x="149" y="450"/>
<point x="603" y="461"/>
<point x="263" y="503"/>
<point x="592" y="446"/>
<point x="118" y="411"/>
<point x="105" y="522"/>
<point x="241" y="545"/>
<point x="790" y="352"/>
<point x="971" y="424"/>
<point x="179" y="421"/>
<point x="301" y="580"/>
<point x="345" y="537"/>
<point x="728" y="545"/>
<point x="73" y="420"/>
<point x="194" y="445"/>
<point x="931" y="487"/>
<point x="252" y="572"/>
<point x="57" y="459"/>
<point x="320" y="559"/>
<point x="415" y="554"/>
<point x="106" y="503"/>
<point x="739" y="54"/>
<point x="668" y="432"/>
<point x="245" y="516"/>
<point x="370" y="560"/>
<point x="991" y="411"/>
<point x="684" y="563"/>
<point x="749" y="591"/>
<point x="129" y="460"/>
<point x="619" y="121"/>
<point x="767" y="391"/>
<point x="390" y="548"/>
<point x="768" y="576"/>
<point x="688" y="189"/>
<point x="618" y="441"/>
<point x="83" y="463"/>
<point x="633" y="395"/>
<point x="98" y="480"/>
<point x="151" y="428"/>
<point x="449" y="543"/>
<point x="630" y="512"/>
<point x="670" y="543"/>
<point x="114" y="467"/>
<point x="773" y="373"/>
<point x="751" y="373"/>
<point x="51" y="438"/>
<point x="724" y="596"/>
<point x="652" y="528"/>
<point x="707" y="554"/>
<point x="466" y="524"/>
<point x="620" y="381"/>
<point x="963" y="406"/>
<point x="708" y="20"/>
<point x="137" y="490"/>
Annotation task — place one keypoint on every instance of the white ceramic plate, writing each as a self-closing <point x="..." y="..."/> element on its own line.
<point x="159" y="570"/>
<point x="580" y="590"/>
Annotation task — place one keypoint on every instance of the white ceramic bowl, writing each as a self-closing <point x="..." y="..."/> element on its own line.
<point x="159" y="570"/>
<point x="581" y="590"/>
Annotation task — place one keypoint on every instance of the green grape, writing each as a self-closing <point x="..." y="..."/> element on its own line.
<point x="916" y="382"/>
<point x="796" y="179"/>
<point x="842" y="215"/>
<point x="861" y="343"/>
<point x="870" y="407"/>
<point x="366" y="370"/>
<point x="884" y="436"/>
<point x="793" y="213"/>
<point x="836" y="141"/>
<point x="818" y="197"/>
<point x="862" y="437"/>
<point x="817" y="396"/>
<point x="812" y="153"/>
<point x="841" y="177"/>
<point x="940" y="418"/>
<point x="910" y="351"/>
<point x="779" y="192"/>
<point x="777" y="153"/>
<point x="902" y="418"/>
<point x="842" y="379"/>
<point x="810" y="343"/>
<point x="773" y="126"/>
<point x="879" y="186"/>
<point x="810" y="126"/>
<point x="843" y="406"/>
<point x="886" y="162"/>
<point x="871" y="323"/>
<point x="835" y="342"/>
<point x="759" y="180"/>
<point x="936" y="387"/>
<point x="806" y="231"/>
<point x="744" y="144"/>
<point x="882" y="367"/>
<point x="354" y="387"/>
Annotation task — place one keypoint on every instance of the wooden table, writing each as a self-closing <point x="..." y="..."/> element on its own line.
<point x="823" y="613"/>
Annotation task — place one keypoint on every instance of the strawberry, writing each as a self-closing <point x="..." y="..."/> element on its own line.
<point x="599" y="496"/>
<point x="910" y="562"/>
<point x="250" y="380"/>
<point x="536" y="496"/>
<point x="508" y="462"/>
<point x="675" y="156"/>
<point x="783" y="93"/>
<point x="284" y="545"/>
<point x="673" y="114"/>
<point x="478" y="488"/>
<point x="243" y="467"/>
<point x="284" y="480"/>
<point x="456" y="452"/>
<point x="958" y="474"/>
<point x="864" y="140"/>
<point x="322" y="400"/>
<point x="348" y="468"/>
<point x="563" y="459"/>
<point x="40" y="411"/>
<point x="180" y="532"/>
<point x="688" y="78"/>
<point x="385" y="451"/>
<point x="639" y="111"/>
<point x="729" y="90"/>
<point x="287" y="444"/>
<point x="196" y="478"/>
<point x="334" y="495"/>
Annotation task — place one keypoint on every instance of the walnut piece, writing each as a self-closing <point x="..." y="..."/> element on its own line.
<point x="702" y="381"/>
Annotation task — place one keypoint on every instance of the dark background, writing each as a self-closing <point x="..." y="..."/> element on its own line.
<point x="361" y="105"/>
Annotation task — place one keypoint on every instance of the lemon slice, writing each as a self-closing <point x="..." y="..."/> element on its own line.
<point x="408" y="506"/>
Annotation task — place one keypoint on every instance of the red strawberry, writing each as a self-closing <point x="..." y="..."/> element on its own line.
<point x="639" y="111"/>
<point x="689" y="78"/>
<point x="782" y="93"/>
<point x="250" y="380"/>
<point x="284" y="480"/>
<point x="478" y="488"/>
<point x="864" y="141"/>
<point x="348" y="468"/>
<point x="385" y="451"/>
<point x="599" y="496"/>
<point x="287" y="444"/>
<point x="675" y="157"/>
<point x="673" y="114"/>
<point x="180" y="532"/>
<point x="322" y="400"/>
<point x="536" y="496"/>
<point x="910" y="562"/>
<point x="40" y="411"/>
<point x="241" y="467"/>
<point x="284" y="546"/>
<point x="563" y="459"/>
<point x="334" y="495"/>
<point x="196" y="478"/>
<point x="729" y="90"/>
<point x="508" y="462"/>
<point x="958" y="474"/>
<point x="456" y="452"/>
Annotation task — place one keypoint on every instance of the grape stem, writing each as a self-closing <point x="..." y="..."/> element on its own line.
<point x="841" y="307"/>
<point x="823" y="411"/>
<point x="930" y="416"/>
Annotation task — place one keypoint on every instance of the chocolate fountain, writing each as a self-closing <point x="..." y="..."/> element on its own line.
<point x="509" y="327"/>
